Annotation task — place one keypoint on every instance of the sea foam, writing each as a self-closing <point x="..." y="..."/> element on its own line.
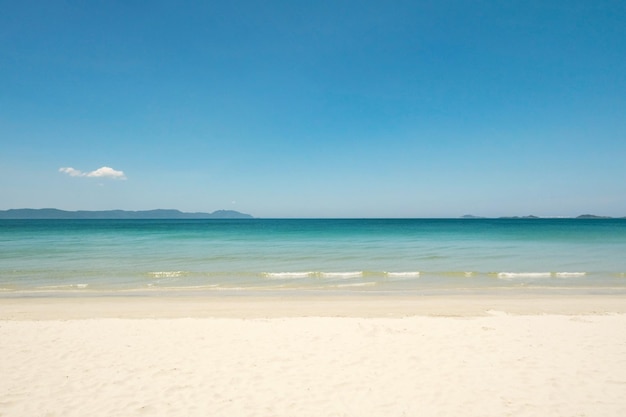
<point x="513" y="275"/>
<point x="355" y="274"/>
<point x="409" y="274"/>
<point x="287" y="275"/>
<point x="569" y="274"/>
<point x="63" y="287"/>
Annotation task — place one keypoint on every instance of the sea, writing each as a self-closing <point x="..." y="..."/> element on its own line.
<point x="313" y="256"/>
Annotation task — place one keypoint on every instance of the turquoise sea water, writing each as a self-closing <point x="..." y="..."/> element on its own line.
<point x="368" y="255"/>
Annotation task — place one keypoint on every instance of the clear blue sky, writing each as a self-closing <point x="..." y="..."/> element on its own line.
<point x="315" y="108"/>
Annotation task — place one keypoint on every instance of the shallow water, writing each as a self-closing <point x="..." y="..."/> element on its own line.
<point x="362" y="255"/>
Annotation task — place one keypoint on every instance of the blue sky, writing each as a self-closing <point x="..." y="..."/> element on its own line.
<point x="315" y="108"/>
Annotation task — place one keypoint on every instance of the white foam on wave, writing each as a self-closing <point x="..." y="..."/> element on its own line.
<point x="513" y="275"/>
<point x="355" y="274"/>
<point x="408" y="274"/>
<point x="287" y="275"/>
<point x="166" y="274"/>
<point x="569" y="274"/>
<point x="356" y="284"/>
<point x="63" y="287"/>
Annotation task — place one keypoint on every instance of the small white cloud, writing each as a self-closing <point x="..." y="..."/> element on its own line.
<point x="104" y="172"/>
<point x="71" y="172"/>
<point x="107" y="172"/>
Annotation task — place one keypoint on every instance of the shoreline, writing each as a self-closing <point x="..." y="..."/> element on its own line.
<point x="274" y="305"/>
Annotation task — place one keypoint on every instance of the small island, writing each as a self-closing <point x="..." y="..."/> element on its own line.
<point x="592" y="216"/>
<point x="582" y="216"/>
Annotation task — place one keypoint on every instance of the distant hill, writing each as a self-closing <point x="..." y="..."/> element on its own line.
<point x="592" y="216"/>
<point x="582" y="216"/>
<point x="50" y="213"/>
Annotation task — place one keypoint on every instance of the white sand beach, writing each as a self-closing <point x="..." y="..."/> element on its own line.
<point x="377" y="356"/>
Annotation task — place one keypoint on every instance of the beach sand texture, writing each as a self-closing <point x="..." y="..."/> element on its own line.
<point x="489" y="364"/>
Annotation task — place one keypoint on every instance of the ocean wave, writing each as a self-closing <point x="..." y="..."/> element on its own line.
<point x="569" y="274"/>
<point x="311" y="274"/>
<point x="355" y="274"/>
<point x="63" y="287"/>
<point x="455" y="274"/>
<point x="287" y="275"/>
<point x="408" y="274"/>
<point x="513" y="275"/>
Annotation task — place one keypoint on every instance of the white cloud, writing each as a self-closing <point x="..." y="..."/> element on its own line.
<point x="104" y="172"/>
<point x="71" y="172"/>
<point x="107" y="172"/>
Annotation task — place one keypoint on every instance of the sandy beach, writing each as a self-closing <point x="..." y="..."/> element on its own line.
<point x="313" y="356"/>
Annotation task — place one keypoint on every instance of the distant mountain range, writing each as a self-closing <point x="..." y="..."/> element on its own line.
<point x="50" y="213"/>
<point x="582" y="216"/>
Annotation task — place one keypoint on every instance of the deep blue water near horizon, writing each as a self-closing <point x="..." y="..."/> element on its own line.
<point x="329" y="255"/>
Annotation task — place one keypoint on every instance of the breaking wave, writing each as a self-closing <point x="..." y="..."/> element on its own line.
<point x="539" y="275"/>
<point x="355" y="274"/>
<point x="409" y="274"/>
<point x="287" y="275"/>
